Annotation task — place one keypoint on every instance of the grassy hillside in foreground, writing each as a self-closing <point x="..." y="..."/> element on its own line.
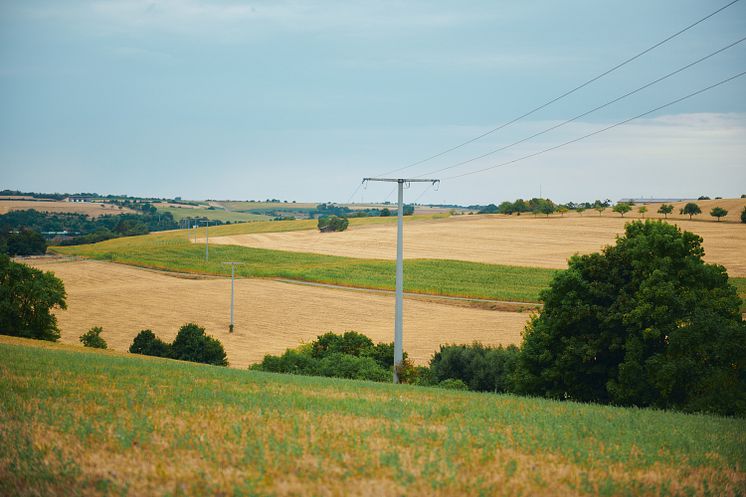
<point x="429" y="276"/>
<point x="79" y="422"/>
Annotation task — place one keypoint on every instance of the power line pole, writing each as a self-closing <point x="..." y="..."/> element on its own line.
<point x="233" y="277"/>
<point x="398" y="319"/>
<point x="207" y="240"/>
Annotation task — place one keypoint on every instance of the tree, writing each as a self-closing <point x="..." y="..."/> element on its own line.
<point x="192" y="344"/>
<point x="622" y="208"/>
<point x="562" y="209"/>
<point x="546" y="208"/>
<point x="665" y="209"/>
<point x="645" y="322"/>
<point x="691" y="209"/>
<point x="642" y="210"/>
<point x="24" y="241"/>
<point x="147" y="343"/>
<point x="27" y="296"/>
<point x="385" y="212"/>
<point x="332" y="223"/>
<point x="485" y="369"/>
<point x="743" y="215"/>
<point x="718" y="212"/>
<point x="580" y="210"/>
<point x="92" y="338"/>
<point x="600" y="209"/>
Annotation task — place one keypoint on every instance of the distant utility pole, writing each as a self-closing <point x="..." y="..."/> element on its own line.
<point x="207" y="240"/>
<point x="233" y="277"/>
<point x="398" y="319"/>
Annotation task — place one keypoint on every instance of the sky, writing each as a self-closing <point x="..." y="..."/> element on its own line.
<point x="301" y="100"/>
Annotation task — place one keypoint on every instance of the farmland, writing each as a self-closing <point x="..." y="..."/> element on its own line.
<point x="89" y="208"/>
<point x="76" y="421"/>
<point x="270" y="315"/>
<point x="507" y="240"/>
<point x="181" y="212"/>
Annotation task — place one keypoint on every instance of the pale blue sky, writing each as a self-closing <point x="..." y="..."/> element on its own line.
<point x="300" y="100"/>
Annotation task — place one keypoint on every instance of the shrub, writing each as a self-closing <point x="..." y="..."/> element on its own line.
<point x="452" y="384"/>
<point x="192" y="344"/>
<point x="92" y="338"/>
<point x="350" y="342"/>
<point x="147" y="343"/>
<point x="293" y="361"/>
<point x="332" y="223"/>
<point x="348" y="366"/>
<point x="743" y="215"/>
<point x="27" y="296"/>
<point x="485" y="369"/>
<point x="646" y="322"/>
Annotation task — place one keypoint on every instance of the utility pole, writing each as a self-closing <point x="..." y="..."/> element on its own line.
<point x="207" y="240"/>
<point x="399" y="314"/>
<point x="233" y="277"/>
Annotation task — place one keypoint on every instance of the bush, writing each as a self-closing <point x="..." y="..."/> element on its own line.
<point x="92" y="338"/>
<point x="332" y="223"/>
<point x="192" y="344"/>
<point x="646" y="322"/>
<point x="147" y="343"/>
<point x="292" y="362"/>
<point x="27" y="296"/>
<point x="348" y="366"/>
<point x="350" y="342"/>
<point x="743" y="215"/>
<point x="452" y="384"/>
<point x="484" y="369"/>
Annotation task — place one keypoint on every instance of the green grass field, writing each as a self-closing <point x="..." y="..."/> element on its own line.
<point x="75" y="421"/>
<point x="171" y="251"/>
<point x="437" y="277"/>
<point x="217" y="214"/>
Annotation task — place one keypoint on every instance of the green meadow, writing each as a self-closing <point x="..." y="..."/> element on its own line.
<point x="75" y="421"/>
<point x="171" y="251"/>
<point x="180" y="213"/>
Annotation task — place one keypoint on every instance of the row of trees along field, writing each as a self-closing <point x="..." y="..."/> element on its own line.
<point x="546" y="207"/>
<point x="26" y="232"/>
<point x="643" y="323"/>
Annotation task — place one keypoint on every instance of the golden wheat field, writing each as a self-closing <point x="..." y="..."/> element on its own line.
<point x="89" y="208"/>
<point x="495" y="239"/>
<point x="270" y="316"/>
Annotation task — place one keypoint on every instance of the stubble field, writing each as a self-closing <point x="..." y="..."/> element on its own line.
<point x="507" y="240"/>
<point x="270" y="315"/>
<point x="89" y="208"/>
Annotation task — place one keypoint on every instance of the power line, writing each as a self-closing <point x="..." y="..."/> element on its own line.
<point x="567" y="93"/>
<point x="617" y="99"/>
<point x="600" y="130"/>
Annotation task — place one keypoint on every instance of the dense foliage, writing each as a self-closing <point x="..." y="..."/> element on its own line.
<point x="333" y="223"/>
<point x="191" y="344"/>
<point x="147" y="343"/>
<point x="484" y="369"/>
<point x="22" y="241"/>
<point x="27" y="296"/>
<point x="92" y="338"/>
<point x="80" y="228"/>
<point x="350" y="355"/>
<point x="646" y="322"/>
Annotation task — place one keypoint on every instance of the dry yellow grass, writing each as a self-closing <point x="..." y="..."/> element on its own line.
<point x="512" y="240"/>
<point x="270" y="315"/>
<point x="90" y="208"/>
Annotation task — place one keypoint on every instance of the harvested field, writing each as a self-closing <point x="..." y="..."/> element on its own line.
<point x="270" y="315"/>
<point x="508" y="240"/>
<point x="90" y="208"/>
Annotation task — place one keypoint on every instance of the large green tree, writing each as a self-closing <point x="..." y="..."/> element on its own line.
<point x="690" y="209"/>
<point x="646" y="322"/>
<point x="27" y="296"/>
